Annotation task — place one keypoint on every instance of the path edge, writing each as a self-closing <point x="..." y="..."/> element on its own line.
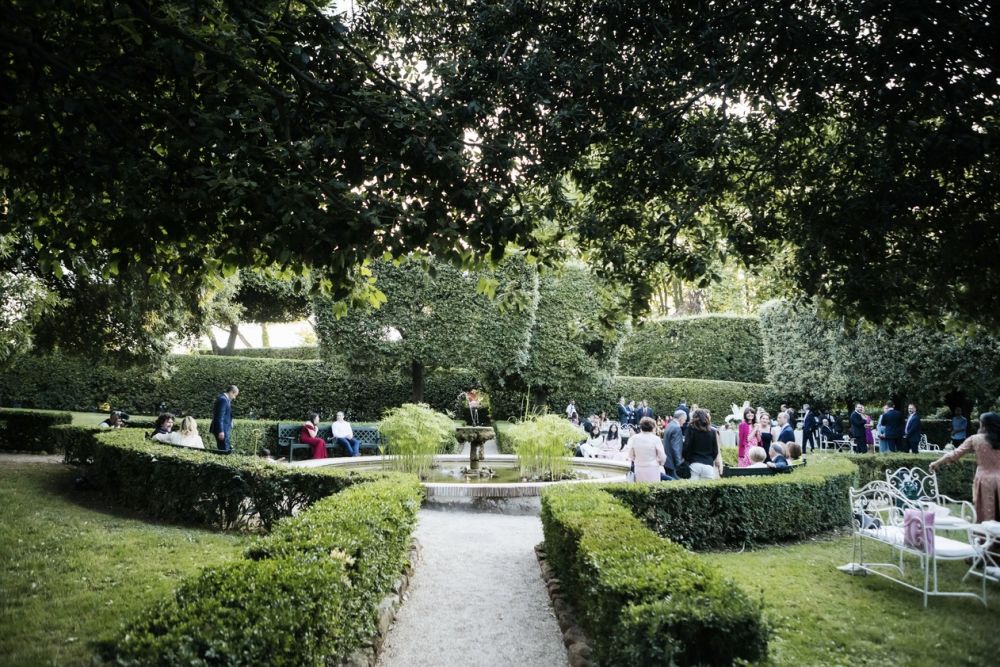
<point x="578" y="648"/>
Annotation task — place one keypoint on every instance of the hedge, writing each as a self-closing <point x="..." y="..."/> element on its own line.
<point x="717" y="347"/>
<point x="733" y="512"/>
<point x="28" y="431"/>
<point x="269" y="388"/>
<point x="194" y="486"/>
<point x="308" y="594"/>
<point x="300" y="352"/>
<point x="641" y="599"/>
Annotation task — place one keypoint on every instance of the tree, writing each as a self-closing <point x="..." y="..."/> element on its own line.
<point x="577" y="333"/>
<point x="833" y="361"/>
<point x="859" y="135"/>
<point x="435" y="315"/>
<point x="176" y="142"/>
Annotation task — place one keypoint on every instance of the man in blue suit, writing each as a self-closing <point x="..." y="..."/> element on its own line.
<point x="809" y="426"/>
<point x="222" y="418"/>
<point x="858" y="429"/>
<point x="673" y="445"/>
<point x="624" y="413"/>
<point x="911" y="433"/>
<point x="892" y="422"/>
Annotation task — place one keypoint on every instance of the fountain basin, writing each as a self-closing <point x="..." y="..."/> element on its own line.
<point x="589" y="471"/>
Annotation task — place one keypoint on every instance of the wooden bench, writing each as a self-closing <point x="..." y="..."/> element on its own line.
<point x="879" y="513"/>
<point x="288" y="440"/>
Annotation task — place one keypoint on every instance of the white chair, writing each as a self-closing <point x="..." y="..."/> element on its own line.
<point x="879" y="514"/>
<point x="924" y="446"/>
<point x="921" y="486"/>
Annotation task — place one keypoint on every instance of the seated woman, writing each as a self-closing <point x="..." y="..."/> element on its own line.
<point x="611" y="448"/>
<point x="594" y="446"/>
<point x="757" y="457"/>
<point x="308" y="435"/>
<point x="187" y="436"/>
<point x="163" y="426"/>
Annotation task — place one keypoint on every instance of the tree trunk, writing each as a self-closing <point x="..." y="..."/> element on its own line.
<point x="234" y="331"/>
<point x="417" y="376"/>
<point x="265" y="335"/>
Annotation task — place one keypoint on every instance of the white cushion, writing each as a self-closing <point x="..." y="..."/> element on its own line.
<point x="945" y="547"/>
<point x="890" y="534"/>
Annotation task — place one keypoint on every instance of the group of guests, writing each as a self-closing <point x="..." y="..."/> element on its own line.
<point x="756" y="432"/>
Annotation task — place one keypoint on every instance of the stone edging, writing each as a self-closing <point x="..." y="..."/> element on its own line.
<point x="577" y="647"/>
<point x="367" y="655"/>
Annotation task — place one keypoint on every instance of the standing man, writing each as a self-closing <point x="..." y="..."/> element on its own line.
<point x="959" y="425"/>
<point x="645" y="411"/>
<point x="222" y="418"/>
<point x="683" y="406"/>
<point x="673" y="444"/>
<point x="892" y="422"/>
<point x="787" y="432"/>
<point x="858" y="429"/>
<point x="570" y="409"/>
<point x="911" y="434"/>
<point x="624" y="413"/>
<point x="809" y="426"/>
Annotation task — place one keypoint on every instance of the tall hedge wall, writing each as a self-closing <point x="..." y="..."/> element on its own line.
<point x="300" y="352"/>
<point x="269" y="388"/>
<point x="663" y="394"/>
<point x="716" y="347"/>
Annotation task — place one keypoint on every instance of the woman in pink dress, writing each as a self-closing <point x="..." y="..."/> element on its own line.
<point x="743" y="436"/>
<point x="307" y="434"/>
<point x="986" y="483"/>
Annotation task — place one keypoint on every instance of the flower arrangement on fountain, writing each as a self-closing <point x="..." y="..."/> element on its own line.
<point x="415" y="433"/>
<point x="543" y="445"/>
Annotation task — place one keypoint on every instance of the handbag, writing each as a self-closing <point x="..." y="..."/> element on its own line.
<point x="684" y="470"/>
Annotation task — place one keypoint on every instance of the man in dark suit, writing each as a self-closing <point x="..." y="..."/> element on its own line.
<point x="222" y="418"/>
<point x="645" y="411"/>
<point x="624" y="414"/>
<point x="911" y="433"/>
<point x="673" y="445"/>
<point x="858" y="429"/>
<point x="809" y="426"/>
<point x="892" y="422"/>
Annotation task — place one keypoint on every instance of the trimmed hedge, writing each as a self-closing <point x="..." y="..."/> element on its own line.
<point x="269" y="388"/>
<point x="28" y="431"/>
<point x="738" y="511"/>
<point x="644" y="600"/>
<point x="193" y="486"/>
<point x="662" y="394"/>
<point x="308" y="594"/>
<point x="717" y="347"/>
<point x="300" y="352"/>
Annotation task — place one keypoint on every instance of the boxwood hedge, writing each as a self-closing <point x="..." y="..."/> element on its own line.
<point x="644" y="600"/>
<point x="269" y="388"/>
<point x="29" y="431"/>
<point x="739" y="511"/>
<point x="299" y="352"/>
<point x="308" y="594"/>
<point x="718" y="347"/>
<point x="194" y="486"/>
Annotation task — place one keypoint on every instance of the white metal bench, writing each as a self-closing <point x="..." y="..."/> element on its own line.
<point x="924" y="446"/>
<point x="922" y="486"/>
<point x="879" y="511"/>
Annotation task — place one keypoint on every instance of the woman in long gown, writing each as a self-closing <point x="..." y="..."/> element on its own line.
<point x="986" y="483"/>
<point x="743" y="435"/>
<point x="307" y="434"/>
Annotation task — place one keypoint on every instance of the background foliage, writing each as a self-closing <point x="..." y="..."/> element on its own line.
<point x="711" y="347"/>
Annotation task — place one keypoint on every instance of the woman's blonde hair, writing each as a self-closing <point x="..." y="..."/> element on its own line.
<point x="189" y="426"/>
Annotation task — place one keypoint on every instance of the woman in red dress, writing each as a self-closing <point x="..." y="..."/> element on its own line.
<point x="308" y="436"/>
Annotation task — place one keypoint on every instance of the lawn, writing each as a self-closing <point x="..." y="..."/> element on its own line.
<point x="74" y="569"/>
<point x="825" y="617"/>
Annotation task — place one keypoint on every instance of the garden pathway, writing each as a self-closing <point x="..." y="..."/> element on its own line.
<point x="476" y="597"/>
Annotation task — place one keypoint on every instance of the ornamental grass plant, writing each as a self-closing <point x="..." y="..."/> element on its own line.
<point x="415" y="433"/>
<point x="543" y="443"/>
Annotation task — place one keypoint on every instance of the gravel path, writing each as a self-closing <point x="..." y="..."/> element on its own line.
<point x="476" y="597"/>
<point x="30" y="458"/>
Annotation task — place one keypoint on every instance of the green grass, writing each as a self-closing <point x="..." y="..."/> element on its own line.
<point x="824" y="617"/>
<point x="73" y="570"/>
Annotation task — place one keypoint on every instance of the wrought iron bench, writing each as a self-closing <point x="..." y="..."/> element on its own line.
<point x="288" y="440"/>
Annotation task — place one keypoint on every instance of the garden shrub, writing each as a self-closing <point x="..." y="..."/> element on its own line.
<point x="308" y="594"/>
<point x="299" y="352"/>
<point x="644" y="600"/>
<point x="716" y="347"/>
<point x="505" y="443"/>
<point x="738" y="511"/>
<point x="543" y="443"/>
<point x="269" y="388"/>
<point x="416" y="433"/>
<point x="195" y="486"/>
<point x="30" y="431"/>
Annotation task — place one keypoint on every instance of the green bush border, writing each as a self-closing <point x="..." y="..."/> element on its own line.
<point x="308" y="594"/>
<point x="30" y="431"/>
<point x="644" y="600"/>
<point x="740" y="511"/>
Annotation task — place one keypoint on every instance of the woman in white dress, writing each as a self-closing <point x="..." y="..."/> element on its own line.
<point x="612" y="446"/>
<point x="186" y="437"/>
<point x="595" y="445"/>
<point x="646" y="450"/>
